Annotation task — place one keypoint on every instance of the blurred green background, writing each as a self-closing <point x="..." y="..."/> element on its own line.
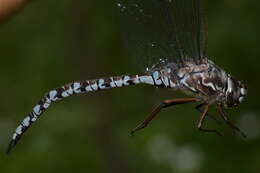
<point x="51" y="43"/>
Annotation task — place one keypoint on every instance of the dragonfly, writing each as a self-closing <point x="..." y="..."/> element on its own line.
<point x="173" y="34"/>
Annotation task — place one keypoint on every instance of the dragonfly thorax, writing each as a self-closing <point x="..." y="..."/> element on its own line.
<point x="206" y="80"/>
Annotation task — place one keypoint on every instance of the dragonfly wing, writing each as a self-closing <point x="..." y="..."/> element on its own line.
<point x="163" y="29"/>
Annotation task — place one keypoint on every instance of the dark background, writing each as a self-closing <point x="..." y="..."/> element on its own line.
<point x="51" y="43"/>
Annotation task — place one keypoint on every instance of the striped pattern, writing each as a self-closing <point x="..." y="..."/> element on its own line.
<point x="155" y="78"/>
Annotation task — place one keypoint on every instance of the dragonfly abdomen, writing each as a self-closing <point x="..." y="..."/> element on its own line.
<point x="85" y="86"/>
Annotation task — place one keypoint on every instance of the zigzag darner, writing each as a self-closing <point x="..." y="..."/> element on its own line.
<point x="185" y="65"/>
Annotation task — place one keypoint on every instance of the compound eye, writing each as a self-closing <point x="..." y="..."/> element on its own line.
<point x="243" y="91"/>
<point x="241" y="99"/>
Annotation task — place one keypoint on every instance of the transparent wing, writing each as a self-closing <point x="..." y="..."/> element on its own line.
<point x="163" y="29"/>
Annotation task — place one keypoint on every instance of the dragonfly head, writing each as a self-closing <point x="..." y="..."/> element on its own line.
<point x="235" y="92"/>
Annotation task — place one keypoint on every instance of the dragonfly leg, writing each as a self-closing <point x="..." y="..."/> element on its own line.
<point x="198" y="108"/>
<point x="164" y="104"/>
<point x="201" y="121"/>
<point x="225" y="117"/>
